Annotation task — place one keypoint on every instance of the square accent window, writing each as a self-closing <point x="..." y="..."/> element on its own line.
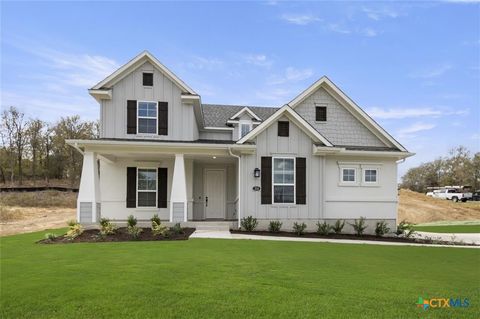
<point x="321" y="113"/>
<point x="370" y="176"/>
<point x="147" y="117"/>
<point x="147" y="79"/>
<point x="283" y="128"/>
<point x="348" y="174"/>
<point x="245" y="128"/>
<point x="147" y="187"/>
<point x="283" y="180"/>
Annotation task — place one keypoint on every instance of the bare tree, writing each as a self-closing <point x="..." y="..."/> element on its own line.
<point x="35" y="137"/>
<point x="9" y="133"/>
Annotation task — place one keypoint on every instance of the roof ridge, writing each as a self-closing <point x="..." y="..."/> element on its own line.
<point x="240" y="105"/>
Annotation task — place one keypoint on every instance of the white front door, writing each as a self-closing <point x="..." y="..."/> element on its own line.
<point x="215" y="193"/>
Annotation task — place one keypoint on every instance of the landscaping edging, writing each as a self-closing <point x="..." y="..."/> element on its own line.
<point x="121" y="235"/>
<point x="354" y="237"/>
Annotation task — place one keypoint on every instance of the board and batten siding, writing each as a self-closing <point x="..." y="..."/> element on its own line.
<point x="113" y="115"/>
<point x="297" y="144"/>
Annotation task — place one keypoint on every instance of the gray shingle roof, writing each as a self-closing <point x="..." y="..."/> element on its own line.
<point x="216" y="115"/>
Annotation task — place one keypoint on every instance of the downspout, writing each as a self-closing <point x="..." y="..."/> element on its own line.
<point x="239" y="184"/>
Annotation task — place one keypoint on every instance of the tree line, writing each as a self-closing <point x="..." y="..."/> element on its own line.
<point x="35" y="150"/>
<point x="459" y="168"/>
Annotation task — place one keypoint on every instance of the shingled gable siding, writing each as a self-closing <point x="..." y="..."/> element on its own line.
<point x="181" y="119"/>
<point x="341" y="127"/>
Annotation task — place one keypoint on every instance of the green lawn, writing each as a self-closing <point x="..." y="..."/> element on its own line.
<point x="204" y="278"/>
<point x="450" y="228"/>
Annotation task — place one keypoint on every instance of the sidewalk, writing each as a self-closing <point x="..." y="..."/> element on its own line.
<point x="228" y="235"/>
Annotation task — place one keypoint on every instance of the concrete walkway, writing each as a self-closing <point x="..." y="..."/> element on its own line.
<point x="228" y="235"/>
<point x="465" y="237"/>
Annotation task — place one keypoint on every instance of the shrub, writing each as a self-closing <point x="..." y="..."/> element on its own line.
<point x="131" y="221"/>
<point x="177" y="229"/>
<point x="323" y="228"/>
<point x="106" y="227"/>
<point x="50" y="236"/>
<point x="359" y="226"/>
<point x="405" y="228"/>
<point x="299" y="229"/>
<point x="274" y="226"/>
<point x="338" y="226"/>
<point x="159" y="230"/>
<point x="75" y="230"/>
<point x="71" y="223"/>
<point x="381" y="228"/>
<point x="249" y="223"/>
<point x="155" y="219"/>
<point x="134" y="231"/>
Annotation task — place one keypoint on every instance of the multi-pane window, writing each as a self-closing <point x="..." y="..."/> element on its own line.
<point x="370" y="176"/>
<point x="147" y="117"/>
<point x="348" y="175"/>
<point x="147" y="187"/>
<point x="244" y="129"/>
<point x="148" y="79"/>
<point x="283" y="180"/>
<point x="321" y="113"/>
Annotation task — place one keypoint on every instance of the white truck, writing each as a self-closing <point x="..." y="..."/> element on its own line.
<point x="453" y="194"/>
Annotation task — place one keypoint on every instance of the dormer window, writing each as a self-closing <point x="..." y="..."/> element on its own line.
<point x="147" y="118"/>
<point x="244" y="128"/>
<point x="147" y="79"/>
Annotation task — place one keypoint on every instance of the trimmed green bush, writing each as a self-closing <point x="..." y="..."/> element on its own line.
<point x="249" y="223"/>
<point x="338" y="226"/>
<point x="75" y="230"/>
<point x="405" y="228"/>
<point x="359" y="226"/>
<point x="134" y="231"/>
<point x="50" y="236"/>
<point x="323" y="228"/>
<point x="155" y="219"/>
<point x="177" y="229"/>
<point x="106" y="227"/>
<point x="274" y="226"/>
<point x="381" y="228"/>
<point x="131" y="221"/>
<point x="299" y="229"/>
<point x="159" y="229"/>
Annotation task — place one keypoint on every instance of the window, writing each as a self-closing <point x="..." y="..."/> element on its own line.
<point x="147" y="79"/>
<point x="147" y="187"/>
<point x="370" y="176"/>
<point x="348" y="174"/>
<point x="147" y="117"/>
<point x="244" y="129"/>
<point x="283" y="180"/>
<point x="321" y="113"/>
<point x="283" y="128"/>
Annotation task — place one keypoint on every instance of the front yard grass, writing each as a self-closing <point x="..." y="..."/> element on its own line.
<point x="449" y="229"/>
<point x="208" y="278"/>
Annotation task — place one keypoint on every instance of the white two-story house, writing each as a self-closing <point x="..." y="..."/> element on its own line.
<point x="161" y="151"/>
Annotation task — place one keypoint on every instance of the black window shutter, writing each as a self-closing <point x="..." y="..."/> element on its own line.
<point x="301" y="180"/>
<point x="131" y="187"/>
<point x="131" y="117"/>
<point x="162" y="118"/>
<point x="162" y="187"/>
<point x="266" y="180"/>
<point x="283" y="128"/>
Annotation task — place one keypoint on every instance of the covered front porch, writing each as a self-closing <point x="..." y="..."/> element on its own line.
<point x="181" y="182"/>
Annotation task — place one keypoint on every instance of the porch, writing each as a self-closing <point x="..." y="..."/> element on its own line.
<point x="181" y="184"/>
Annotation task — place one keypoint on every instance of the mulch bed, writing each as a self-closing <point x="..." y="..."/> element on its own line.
<point x="353" y="237"/>
<point x="121" y="234"/>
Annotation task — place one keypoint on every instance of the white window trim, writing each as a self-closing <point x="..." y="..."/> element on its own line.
<point x="282" y="184"/>
<point x="320" y="105"/>
<point x="370" y="167"/>
<point x="147" y="117"/>
<point x="355" y="176"/>
<point x="149" y="191"/>
<point x="244" y="122"/>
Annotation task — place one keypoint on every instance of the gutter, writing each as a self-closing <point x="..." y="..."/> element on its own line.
<point x="239" y="184"/>
<point x="75" y="145"/>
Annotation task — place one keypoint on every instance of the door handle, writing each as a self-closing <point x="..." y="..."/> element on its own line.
<point x="206" y="201"/>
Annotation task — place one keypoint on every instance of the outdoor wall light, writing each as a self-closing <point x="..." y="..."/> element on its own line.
<point x="256" y="172"/>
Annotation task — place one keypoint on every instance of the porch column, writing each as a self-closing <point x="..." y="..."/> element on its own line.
<point x="178" y="196"/>
<point x="88" y="201"/>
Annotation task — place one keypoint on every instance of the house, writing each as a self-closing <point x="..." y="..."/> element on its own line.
<point x="161" y="151"/>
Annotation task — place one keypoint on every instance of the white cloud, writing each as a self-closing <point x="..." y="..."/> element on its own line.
<point x="369" y="32"/>
<point x="204" y="63"/>
<point x="402" y="113"/>
<point x="409" y="131"/>
<point x="475" y="136"/>
<point x="291" y="74"/>
<point x="378" y="14"/>
<point x="433" y="72"/>
<point x="300" y="19"/>
<point x="258" y="59"/>
<point x="335" y="27"/>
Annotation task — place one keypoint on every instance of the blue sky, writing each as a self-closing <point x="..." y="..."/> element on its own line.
<point x="413" y="66"/>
